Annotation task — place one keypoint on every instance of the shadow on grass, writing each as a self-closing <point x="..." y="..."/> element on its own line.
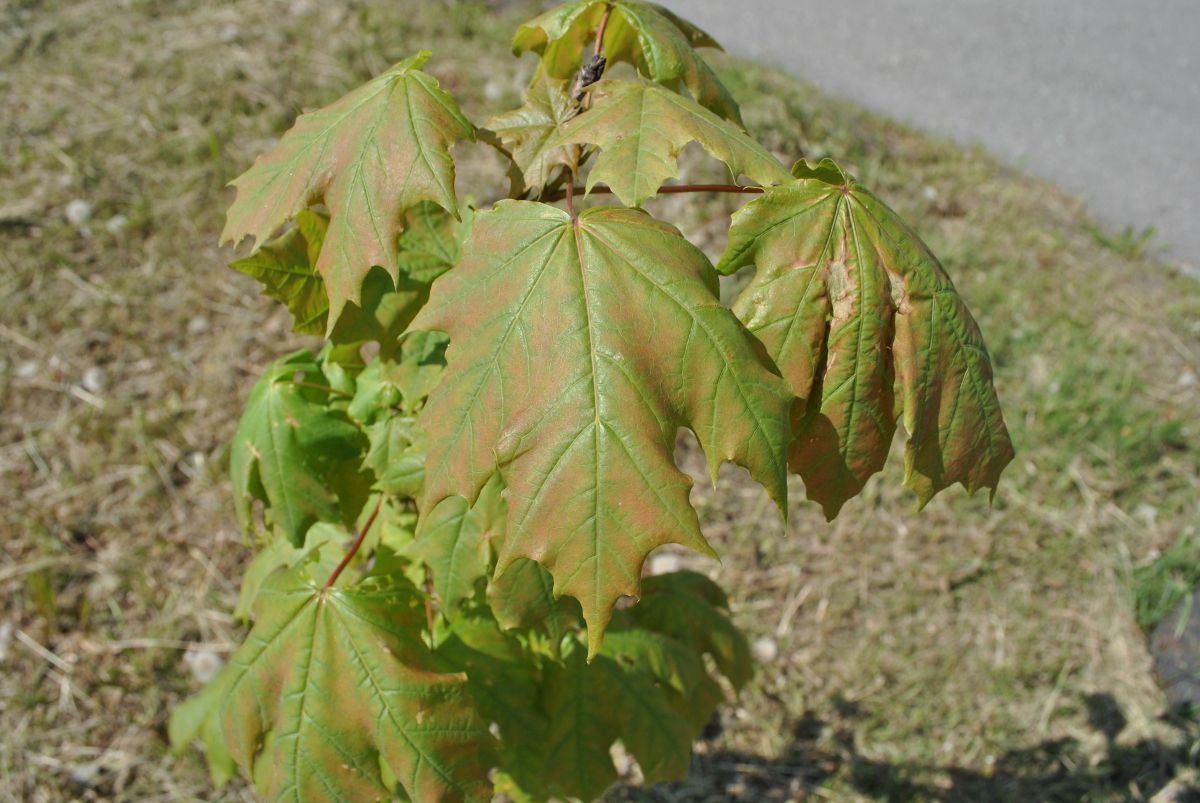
<point x="1055" y="770"/>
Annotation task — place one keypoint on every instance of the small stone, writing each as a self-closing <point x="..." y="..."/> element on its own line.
<point x="85" y="776"/>
<point x="204" y="664"/>
<point x="198" y="325"/>
<point x="665" y="563"/>
<point x="1188" y="379"/>
<point x="27" y="369"/>
<point x="765" y="650"/>
<point x="229" y="33"/>
<point x="1146" y="513"/>
<point x="116" y="224"/>
<point x="78" y="212"/>
<point x="929" y="193"/>
<point x="493" y="90"/>
<point x="95" y="379"/>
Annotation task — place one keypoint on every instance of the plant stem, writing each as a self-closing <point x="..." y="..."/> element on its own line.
<point x="600" y="30"/>
<point x="666" y="189"/>
<point x="314" y="386"/>
<point x="353" y="547"/>
<point x="570" y="196"/>
<point x="429" y="602"/>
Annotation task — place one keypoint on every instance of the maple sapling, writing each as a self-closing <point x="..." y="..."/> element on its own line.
<point x="444" y="522"/>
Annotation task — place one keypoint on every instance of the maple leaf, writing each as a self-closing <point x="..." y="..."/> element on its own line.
<point x="577" y="350"/>
<point x="330" y="685"/>
<point x="647" y="688"/>
<point x="369" y="156"/>
<point x="396" y="455"/>
<point x="504" y="679"/>
<point x="659" y="44"/>
<point x="523" y="597"/>
<point x="286" y="446"/>
<point x="864" y="323"/>
<point x="641" y="130"/>
<point x="286" y="266"/>
<point x="692" y="609"/>
<point x="454" y="539"/>
<point x="529" y="129"/>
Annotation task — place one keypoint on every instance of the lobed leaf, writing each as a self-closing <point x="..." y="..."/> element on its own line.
<point x="286" y="266"/>
<point x="528" y="131"/>
<point x="455" y="540"/>
<point x="523" y="597"/>
<point x="286" y="446"/>
<point x="688" y="608"/>
<point x="866" y="325"/>
<point x="333" y="693"/>
<point x="369" y="156"/>
<point x="577" y="350"/>
<point x="642" y="128"/>
<point x="657" y="42"/>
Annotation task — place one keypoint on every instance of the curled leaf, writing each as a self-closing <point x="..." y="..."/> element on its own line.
<point x="658" y="43"/>
<point x="866" y="326"/>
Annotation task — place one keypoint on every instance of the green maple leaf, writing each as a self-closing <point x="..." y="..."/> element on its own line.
<point x="659" y="44"/>
<point x="529" y="129"/>
<point x="865" y="324"/>
<point x="677" y="669"/>
<point x="275" y="554"/>
<point x="624" y="693"/>
<point x="690" y="609"/>
<point x="369" y="156"/>
<point x="286" y="446"/>
<point x="455" y="540"/>
<point x="286" y="266"/>
<point x="523" y="598"/>
<point x="417" y="369"/>
<point x="504" y="679"/>
<point x="577" y="350"/>
<point x="396" y="455"/>
<point x="331" y="687"/>
<point x="641" y="130"/>
<point x="432" y="240"/>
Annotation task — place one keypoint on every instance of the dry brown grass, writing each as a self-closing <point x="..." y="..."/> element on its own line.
<point x="969" y="652"/>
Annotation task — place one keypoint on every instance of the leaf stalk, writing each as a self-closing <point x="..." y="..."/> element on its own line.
<point x="354" y="547"/>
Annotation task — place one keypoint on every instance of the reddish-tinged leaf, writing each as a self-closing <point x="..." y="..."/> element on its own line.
<point x="330" y="686"/>
<point x="369" y="156"/>
<point x="866" y="325"/>
<point x="659" y="44"/>
<point x="577" y="351"/>
<point x="642" y="128"/>
<point x="527" y="131"/>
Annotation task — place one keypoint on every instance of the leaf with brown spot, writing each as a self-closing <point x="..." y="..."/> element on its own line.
<point x="577" y="350"/>
<point x="659" y="44"/>
<point x="641" y="129"/>
<point x="379" y="150"/>
<point x="865" y="324"/>
<point x="329" y="687"/>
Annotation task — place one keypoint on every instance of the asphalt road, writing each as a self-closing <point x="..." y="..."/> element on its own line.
<point x="1102" y="96"/>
